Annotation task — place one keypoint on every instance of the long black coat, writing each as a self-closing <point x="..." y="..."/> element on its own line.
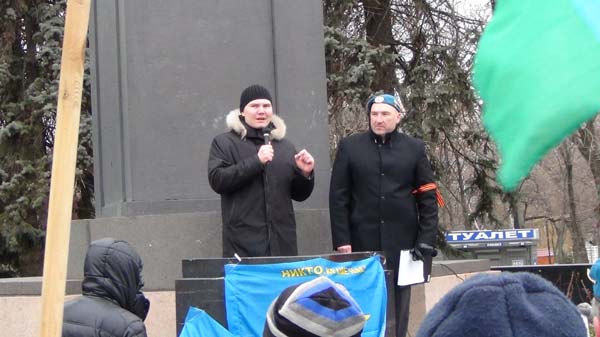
<point x="256" y="199"/>
<point x="112" y="304"/>
<point x="371" y="203"/>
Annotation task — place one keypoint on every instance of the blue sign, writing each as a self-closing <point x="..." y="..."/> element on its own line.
<point x="250" y="289"/>
<point x="492" y="235"/>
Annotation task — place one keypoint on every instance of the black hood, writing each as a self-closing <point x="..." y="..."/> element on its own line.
<point x="112" y="270"/>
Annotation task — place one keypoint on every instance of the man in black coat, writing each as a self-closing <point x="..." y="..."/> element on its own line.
<point x="257" y="172"/>
<point x="112" y="303"/>
<point x="382" y="195"/>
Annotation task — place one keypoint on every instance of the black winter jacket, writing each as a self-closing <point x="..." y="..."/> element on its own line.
<point x="371" y="203"/>
<point x="112" y="304"/>
<point x="256" y="199"/>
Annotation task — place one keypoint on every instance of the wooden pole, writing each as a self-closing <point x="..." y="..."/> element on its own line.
<point x="63" y="167"/>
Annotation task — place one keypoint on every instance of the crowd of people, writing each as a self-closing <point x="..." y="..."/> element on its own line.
<point x="382" y="197"/>
<point x="486" y="305"/>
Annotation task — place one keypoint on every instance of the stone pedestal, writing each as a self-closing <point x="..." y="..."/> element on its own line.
<point x="165" y="74"/>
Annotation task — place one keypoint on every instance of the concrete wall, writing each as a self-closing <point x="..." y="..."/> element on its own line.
<point x="164" y="240"/>
<point x="165" y="74"/>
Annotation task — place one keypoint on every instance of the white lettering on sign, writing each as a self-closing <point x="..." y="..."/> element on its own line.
<point x="467" y="236"/>
<point x="453" y="236"/>
<point x="481" y="236"/>
<point x="496" y="236"/>
<point x="488" y="235"/>
<point x="525" y="233"/>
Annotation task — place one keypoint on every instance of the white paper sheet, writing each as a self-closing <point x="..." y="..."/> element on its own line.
<point x="409" y="271"/>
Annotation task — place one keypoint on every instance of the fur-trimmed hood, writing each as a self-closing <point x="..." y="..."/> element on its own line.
<point x="234" y="123"/>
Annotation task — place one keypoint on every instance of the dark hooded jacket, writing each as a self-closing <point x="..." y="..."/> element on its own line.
<point x="371" y="200"/>
<point x="112" y="304"/>
<point x="256" y="199"/>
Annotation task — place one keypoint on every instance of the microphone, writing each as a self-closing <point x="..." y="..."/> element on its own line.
<point x="267" y="136"/>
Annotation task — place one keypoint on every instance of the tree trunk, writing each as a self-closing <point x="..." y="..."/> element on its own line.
<point x="378" y="20"/>
<point x="558" y="243"/>
<point x="587" y="143"/>
<point x="579" y="252"/>
<point x="513" y="203"/>
<point x="462" y="193"/>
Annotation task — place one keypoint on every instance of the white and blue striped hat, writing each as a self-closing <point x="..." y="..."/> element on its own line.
<point x="393" y="101"/>
<point x="316" y="308"/>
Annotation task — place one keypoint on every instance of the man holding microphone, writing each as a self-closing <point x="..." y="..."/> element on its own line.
<point x="258" y="172"/>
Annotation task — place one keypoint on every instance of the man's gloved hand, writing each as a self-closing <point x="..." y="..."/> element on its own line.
<point x="421" y="250"/>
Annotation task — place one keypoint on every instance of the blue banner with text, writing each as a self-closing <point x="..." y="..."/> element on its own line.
<point x="250" y="289"/>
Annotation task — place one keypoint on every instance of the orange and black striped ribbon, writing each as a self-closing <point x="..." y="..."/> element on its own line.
<point x="431" y="187"/>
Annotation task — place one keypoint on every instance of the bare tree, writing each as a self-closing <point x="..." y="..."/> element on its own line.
<point x="586" y="140"/>
<point x="579" y="253"/>
<point x="425" y="49"/>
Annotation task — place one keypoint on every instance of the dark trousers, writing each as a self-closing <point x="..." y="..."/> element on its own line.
<point x="402" y="305"/>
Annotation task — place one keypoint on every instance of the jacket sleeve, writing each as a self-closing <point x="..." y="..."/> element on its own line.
<point x="226" y="176"/>
<point x="302" y="186"/>
<point x="426" y="201"/>
<point x="340" y="190"/>
<point x="136" y="329"/>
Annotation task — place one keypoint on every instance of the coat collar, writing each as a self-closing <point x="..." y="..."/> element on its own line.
<point x="388" y="138"/>
<point x="235" y="124"/>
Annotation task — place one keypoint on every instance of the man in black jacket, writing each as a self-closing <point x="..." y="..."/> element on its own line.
<point x="257" y="173"/>
<point x="112" y="303"/>
<point x="382" y="195"/>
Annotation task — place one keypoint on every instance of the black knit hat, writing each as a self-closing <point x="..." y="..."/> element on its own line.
<point x="253" y="92"/>
<point x="317" y="308"/>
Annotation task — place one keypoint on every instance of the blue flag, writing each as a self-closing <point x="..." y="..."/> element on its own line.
<point x="250" y="289"/>
<point x="199" y="324"/>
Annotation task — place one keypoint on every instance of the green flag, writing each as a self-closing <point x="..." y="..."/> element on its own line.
<point x="537" y="70"/>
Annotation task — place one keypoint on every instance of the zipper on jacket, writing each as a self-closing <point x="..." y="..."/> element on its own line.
<point x="267" y="209"/>
<point x="380" y="197"/>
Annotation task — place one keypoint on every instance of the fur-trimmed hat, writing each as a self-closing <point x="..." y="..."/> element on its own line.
<point x="253" y="92"/>
<point x="501" y="305"/>
<point x="316" y="308"/>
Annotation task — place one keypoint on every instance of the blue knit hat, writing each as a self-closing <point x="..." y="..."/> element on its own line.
<point x="312" y="309"/>
<point x="385" y="99"/>
<point x="504" y="305"/>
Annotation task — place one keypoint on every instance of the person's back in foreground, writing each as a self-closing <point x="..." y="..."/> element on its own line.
<point x="504" y="305"/>
<point x="112" y="303"/>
